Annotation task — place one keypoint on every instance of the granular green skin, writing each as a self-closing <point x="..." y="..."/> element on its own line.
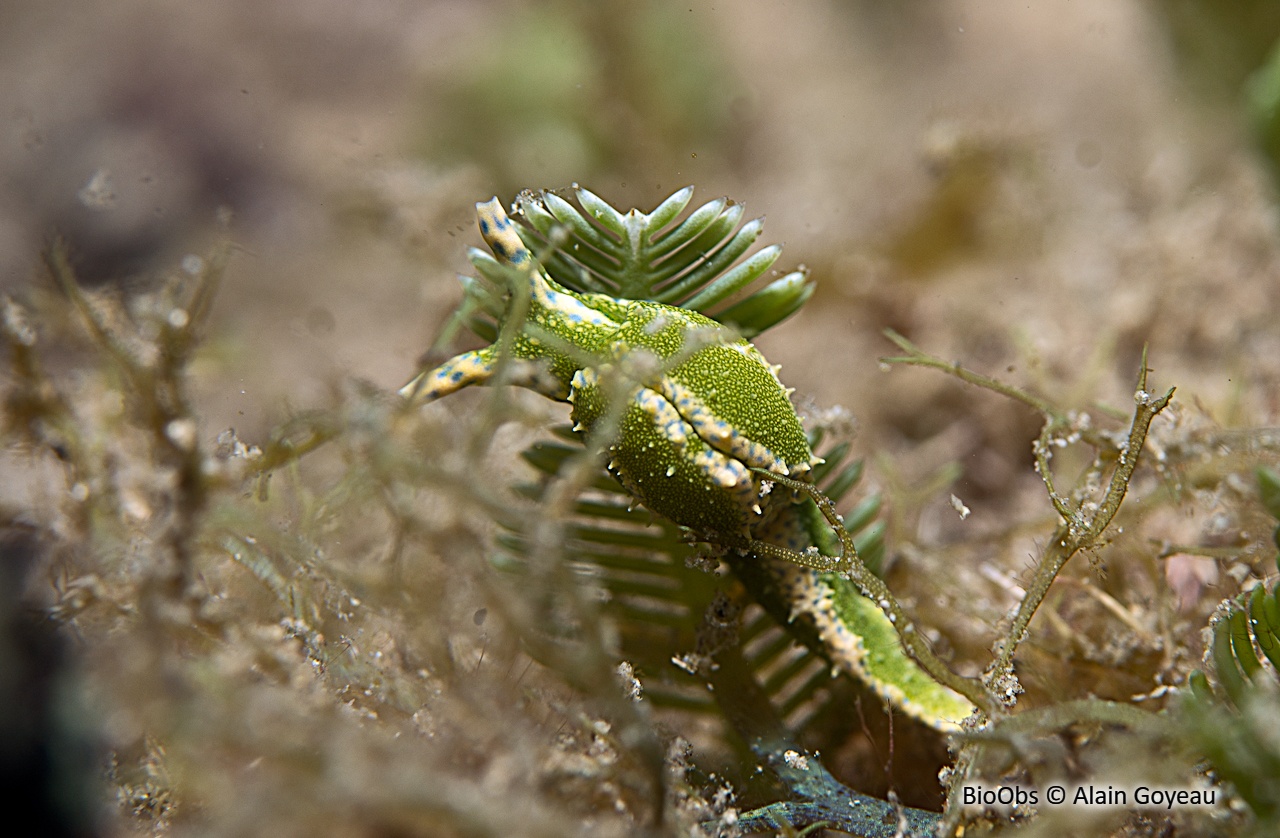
<point x="665" y="468"/>
<point x="695" y="408"/>
<point x="729" y="376"/>
<point x="666" y="480"/>
<point x="699" y="405"/>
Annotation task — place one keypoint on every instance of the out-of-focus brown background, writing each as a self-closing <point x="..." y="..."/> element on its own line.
<point x="1035" y="189"/>
<point x="1034" y="185"/>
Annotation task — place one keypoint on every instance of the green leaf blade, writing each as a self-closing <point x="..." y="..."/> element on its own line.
<point x="606" y="215"/>
<point x="736" y="279"/>
<point x="770" y="305"/>
<point x="666" y="212"/>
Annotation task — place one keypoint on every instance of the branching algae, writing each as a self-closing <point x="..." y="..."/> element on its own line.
<point x="631" y="320"/>
<point x="693" y="424"/>
<point x="697" y="427"/>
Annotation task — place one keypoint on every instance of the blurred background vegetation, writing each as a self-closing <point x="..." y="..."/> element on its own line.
<point x="1038" y="190"/>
